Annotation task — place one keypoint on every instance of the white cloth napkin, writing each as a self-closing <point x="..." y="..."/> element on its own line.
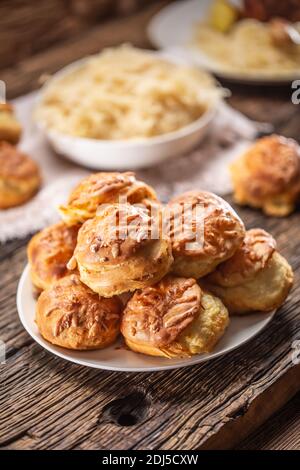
<point x="206" y="167"/>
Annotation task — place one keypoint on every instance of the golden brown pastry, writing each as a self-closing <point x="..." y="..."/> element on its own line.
<point x="19" y="176"/>
<point x="256" y="278"/>
<point x="104" y="188"/>
<point x="204" y="231"/>
<point x="49" y="252"/>
<point x="111" y="261"/>
<point x="10" y="129"/>
<point x="267" y="176"/>
<point x="173" y="318"/>
<point x="70" y="315"/>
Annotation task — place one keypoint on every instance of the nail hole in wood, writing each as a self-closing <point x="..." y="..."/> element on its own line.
<point x="127" y="411"/>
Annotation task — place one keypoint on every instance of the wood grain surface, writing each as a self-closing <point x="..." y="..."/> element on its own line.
<point x="48" y="403"/>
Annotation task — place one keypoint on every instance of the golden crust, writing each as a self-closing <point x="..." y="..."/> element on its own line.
<point x="266" y="291"/>
<point x="221" y="232"/>
<point x="252" y="256"/>
<point x="10" y="129"/>
<point x="104" y="188"/>
<point x="49" y="252"/>
<point x="267" y="176"/>
<point x="70" y="315"/>
<point x="112" y="261"/>
<point x="19" y="176"/>
<point x="174" y="318"/>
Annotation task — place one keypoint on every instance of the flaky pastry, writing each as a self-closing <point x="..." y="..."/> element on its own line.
<point x="267" y="176"/>
<point x="256" y="278"/>
<point x="205" y="230"/>
<point x="70" y="315"/>
<point x="173" y="318"/>
<point x="49" y="252"/>
<point x="10" y="129"/>
<point x="19" y="176"/>
<point x="104" y="188"/>
<point x="116" y="251"/>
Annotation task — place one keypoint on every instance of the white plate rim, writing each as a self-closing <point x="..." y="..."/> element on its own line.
<point x="59" y="351"/>
<point x="201" y="59"/>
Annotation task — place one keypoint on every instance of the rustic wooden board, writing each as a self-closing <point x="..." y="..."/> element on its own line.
<point x="47" y="403"/>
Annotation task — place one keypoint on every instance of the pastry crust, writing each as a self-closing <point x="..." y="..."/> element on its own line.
<point x="104" y="188"/>
<point x="19" y="176"/>
<point x="70" y="315"/>
<point x="49" y="252"/>
<point x="213" y="221"/>
<point x="10" y="129"/>
<point x="173" y="318"/>
<point x="256" y="278"/>
<point x="117" y="253"/>
<point x="267" y="176"/>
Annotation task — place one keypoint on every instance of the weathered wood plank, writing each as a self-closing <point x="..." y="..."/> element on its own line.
<point x="281" y="432"/>
<point x="25" y="75"/>
<point x="210" y="405"/>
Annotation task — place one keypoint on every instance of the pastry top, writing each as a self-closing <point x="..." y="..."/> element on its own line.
<point x="251" y="258"/>
<point x="105" y="188"/>
<point x="158" y="314"/>
<point x="272" y="164"/>
<point x="208" y="220"/>
<point x="10" y="128"/>
<point x="70" y="304"/>
<point x="117" y="233"/>
<point x="15" y="164"/>
<point x="49" y="252"/>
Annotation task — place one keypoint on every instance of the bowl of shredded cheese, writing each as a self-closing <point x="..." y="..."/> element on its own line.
<point x="126" y="108"/>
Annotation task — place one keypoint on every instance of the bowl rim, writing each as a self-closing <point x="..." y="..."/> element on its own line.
<point x="182" y="132"/>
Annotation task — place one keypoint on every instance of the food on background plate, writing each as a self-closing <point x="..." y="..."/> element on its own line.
<point x="173" y="318"/>
<point x="267" y="175"/>
<point x="255" y="38"/>
<point x="204" y="230"/>
<point x="10" y="128"/>
<point x="111" y="262"/>
<point x="20" y="177"/>
<point x="256" y="278"/>
<point x="49" y="252"/>
<point x="126" y="93"/>
<point x="72" y="316"/>
<point x="104" y="188"/>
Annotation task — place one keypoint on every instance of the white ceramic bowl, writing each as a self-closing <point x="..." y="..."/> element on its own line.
<point x="124" y="154"/>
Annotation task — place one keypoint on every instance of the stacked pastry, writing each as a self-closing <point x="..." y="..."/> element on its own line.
<point x="166" y="278"/>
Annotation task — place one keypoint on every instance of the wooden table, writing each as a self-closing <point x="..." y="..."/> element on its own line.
<point x="47" y="403"/>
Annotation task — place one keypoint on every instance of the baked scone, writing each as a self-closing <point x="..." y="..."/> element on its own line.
<point x="70" y="315"/>
<point x="267" y="176"/>
<point x="19" y="176"/>
<point x="256" y="278"/>
<point x="116" y="251"/>
<point x="10" y="128"/>
<point x="204" y="230"/>
<point x="49" y="252"/>
<point x="104" y="188"/>
<point x="173" y="318"/>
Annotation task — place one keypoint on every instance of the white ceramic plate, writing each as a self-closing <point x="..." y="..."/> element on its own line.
<point x="125" y="154"/>
<point x="171" y="29"/>
<point x="240" y="330"/>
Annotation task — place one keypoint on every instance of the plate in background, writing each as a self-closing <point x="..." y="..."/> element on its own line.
<point x="171" y="29"/>
<point x="117" y="358"/>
